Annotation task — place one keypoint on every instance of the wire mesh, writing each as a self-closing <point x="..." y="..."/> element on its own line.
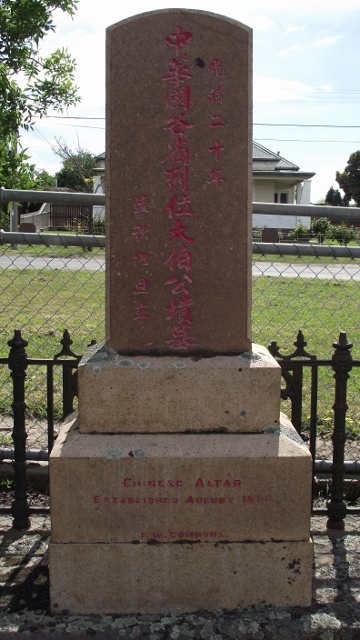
<point x="45" y="289"/>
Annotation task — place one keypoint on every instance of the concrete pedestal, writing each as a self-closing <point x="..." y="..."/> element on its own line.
<point x="169" y="394"/>
<point x="144" y="578"/>
<point x="144" y="521"/>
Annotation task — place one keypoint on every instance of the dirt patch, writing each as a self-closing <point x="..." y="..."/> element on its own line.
<point x="37" y="432"/>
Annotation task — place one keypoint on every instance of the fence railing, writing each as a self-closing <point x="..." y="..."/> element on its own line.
<point x="95" y="199"/>
<point x="293" y="367"/>
<point x="258" y="248"/>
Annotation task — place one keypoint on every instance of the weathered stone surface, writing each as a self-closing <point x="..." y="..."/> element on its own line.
<point x="169" y="394"/>
<point x="127" y="578"/>
<point x="178" y="156"/>
<point x="149" y="511"/>
<point x="171" y="488"/>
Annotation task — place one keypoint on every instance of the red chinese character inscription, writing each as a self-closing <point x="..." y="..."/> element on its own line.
<point x="178" y="206"/>
<point x="179" y="153"/>
<point x="141" y="287"/>
<point x="179" y="286"/>
<point x="140" y="232"/>
<point x="140" y="204"/>
<point x="142" y="259"/>
<point x="216" y="149"/>
<point x="178" y="71"/>
<point x="215" y="176"/>
<point x="177" y="176"/>
<point x="177" y="125"/>
<point x="216" y="95"/>
<point x="179" y="232"/>
<point x="217" y="121"/>
<point x="181" y="338"/>
<point x="178" y="39"/>
<point x="141" y="312"/>
<point x="180" y="309"/>
<point x="178" y="98"/>
<point x="181" y="258"/>
<point x="215" y="68"/>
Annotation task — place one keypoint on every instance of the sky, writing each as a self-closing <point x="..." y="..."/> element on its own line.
<point x="306" y="79"/>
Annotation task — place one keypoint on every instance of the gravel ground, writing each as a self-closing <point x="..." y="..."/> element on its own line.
<point x="333" y="614"/>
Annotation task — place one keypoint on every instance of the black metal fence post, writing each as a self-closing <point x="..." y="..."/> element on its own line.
<point x="18" y="363"/>
<point x="69" y="377"/>
<point x="342" y="364"/>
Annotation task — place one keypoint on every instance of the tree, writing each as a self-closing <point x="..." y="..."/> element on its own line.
<point x="333" y="197"/>
<point x="77" y="167"/>
<point x="343" y="180"/>
<point x="29" y="84"/>
<point x="17" y="173"/>
<point x="46" y="82"/>
<point x="44" y="181"/>
<point x="349" y="179"/>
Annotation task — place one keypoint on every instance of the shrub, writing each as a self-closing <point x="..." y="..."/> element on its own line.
<point x="343" y="234"/>
<point x="299" y="232"/>
<point x="320" y="228"/>
<point x="98" y="225"/>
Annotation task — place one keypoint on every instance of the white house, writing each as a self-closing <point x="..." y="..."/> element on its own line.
<point x="278" y="180"/>
<point x="98" y="173"/>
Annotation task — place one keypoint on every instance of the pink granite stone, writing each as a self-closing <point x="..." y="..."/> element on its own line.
<point x="178" y="184"/>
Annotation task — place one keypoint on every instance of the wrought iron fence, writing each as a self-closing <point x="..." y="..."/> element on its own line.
<point x="294" y="367"/>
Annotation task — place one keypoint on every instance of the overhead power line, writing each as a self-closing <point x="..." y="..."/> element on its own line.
<point x="327" y="126"/>
<point x="255" y="124"/>
<point x="294" y="140"/>
<point x="75" y="117"/>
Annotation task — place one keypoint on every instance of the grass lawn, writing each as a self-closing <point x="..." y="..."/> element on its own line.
<point x="320" y="308"/>
<point x="45" y="302"/>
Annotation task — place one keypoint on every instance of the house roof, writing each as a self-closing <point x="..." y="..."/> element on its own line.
<point x="264" y="155"/>
<point x="264" y="160"/>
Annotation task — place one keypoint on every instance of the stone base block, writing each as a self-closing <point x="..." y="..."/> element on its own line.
<point x="143" y="578"/>
<point x="174" y="394"/>
<point x="175" y="487"/>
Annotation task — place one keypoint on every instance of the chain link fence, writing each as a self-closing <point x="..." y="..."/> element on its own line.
<point x="45" y="288"/>
<point x="319" y="294"/>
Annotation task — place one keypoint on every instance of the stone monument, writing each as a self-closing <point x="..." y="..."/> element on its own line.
<point x="179" y="486"/>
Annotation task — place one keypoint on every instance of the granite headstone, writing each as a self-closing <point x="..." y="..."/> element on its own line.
<point x="178" y="153"/>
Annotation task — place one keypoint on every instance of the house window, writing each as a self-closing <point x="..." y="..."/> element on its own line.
<point x="282" y="198"/>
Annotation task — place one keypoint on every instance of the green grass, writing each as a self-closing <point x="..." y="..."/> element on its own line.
<point x="274" y="258"/>
<point x="53" y="251"/>
<point x="43" y="303"/>
<point x="321" y="308"/>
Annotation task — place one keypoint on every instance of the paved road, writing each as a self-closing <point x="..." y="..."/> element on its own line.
<point x="322" y="271"/>
<point x="275" y="269"/>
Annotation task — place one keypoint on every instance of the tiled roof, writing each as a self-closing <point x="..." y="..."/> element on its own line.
<point x="265" y="155"/>
<point x="259" y="153"/>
